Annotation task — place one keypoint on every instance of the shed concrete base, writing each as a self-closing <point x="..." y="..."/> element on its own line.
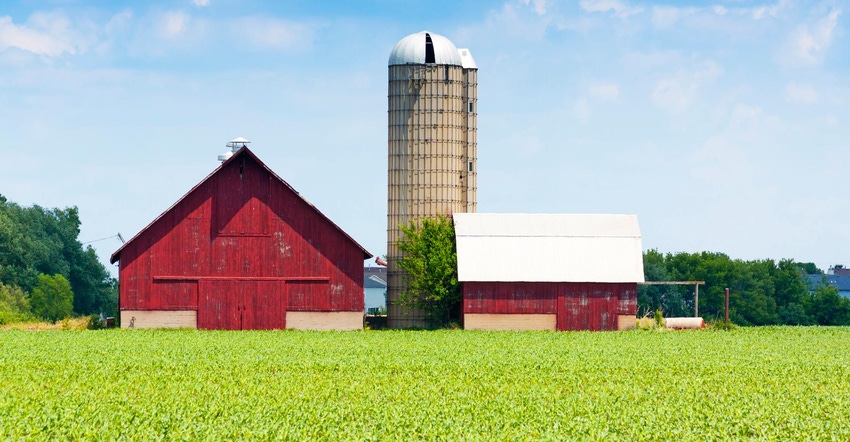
<point x="159" y="319"/>
<point x="626" y="322"/>
<point x="324" y="320"/>
<point x="518" y="322"/>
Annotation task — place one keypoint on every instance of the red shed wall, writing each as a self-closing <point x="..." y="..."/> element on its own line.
<point x="578" y="306"/>
<point x="242" y="224"/>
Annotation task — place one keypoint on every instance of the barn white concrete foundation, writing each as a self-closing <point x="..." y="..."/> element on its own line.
<point x="324" y="320"/>
<point x="159" y="319"/>
<point x="517" y="322"/>
<point x="626" y="322"/>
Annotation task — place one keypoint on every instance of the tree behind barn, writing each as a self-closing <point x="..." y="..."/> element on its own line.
<point x="52" y="298"/>
<point x="430" y="264"/>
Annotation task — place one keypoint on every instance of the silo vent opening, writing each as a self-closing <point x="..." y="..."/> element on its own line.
<point x="429" y="50"/>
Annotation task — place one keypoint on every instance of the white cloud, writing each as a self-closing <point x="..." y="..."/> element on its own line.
<point x="173" y="24"/>
<point x="801" y="93"/>
<point x="119" y="22"/>
<point x="808" y="44"/>
<point x="48" y="34"/>
<point x="744" y="113"/>
<point x="676" y="92"/>
<point x="594" y="93"/>
<point x="666" y="16"/>
<point x="274" y="33"/>
<point x="761" y="12"/>
<point x="201" y="3"/>
<point x="714" y="17"/>
<point x="516" y="24"/>
<point x="619" y="8"/>
<point x="604" y="91"/>
<point x="538" y="5"/>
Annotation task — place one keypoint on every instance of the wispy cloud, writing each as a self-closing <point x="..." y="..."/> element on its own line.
<point x="743" y="114"/>
<point x="271" y="33"/>
<point x="48" y="34"/>
<point x="717" y="16"/>
<point x="604" y="91"/>
<point x="539" y="6"/>
<point x="807" y="45"/>
<point x="678" y="91"/>
<point x="801" y="93"/>
<point x="201" y="3"/>
<point x="619" y="9"/>
<point x="595" y="93"/>
<point x="173" y="24"/>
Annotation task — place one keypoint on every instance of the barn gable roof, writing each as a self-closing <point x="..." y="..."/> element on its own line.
<point x="238" y="154"/>
<point x="548" y="248"/>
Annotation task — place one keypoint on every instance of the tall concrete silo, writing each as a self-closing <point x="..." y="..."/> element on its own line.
<point x="433" y="104"/>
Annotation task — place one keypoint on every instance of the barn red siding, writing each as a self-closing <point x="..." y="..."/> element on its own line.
<point x="242" y="238"/>
<point x="514" y="297"/>
<point x="578" y="306"/>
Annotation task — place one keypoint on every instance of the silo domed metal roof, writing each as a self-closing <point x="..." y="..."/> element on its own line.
<point x="414" y="49"/>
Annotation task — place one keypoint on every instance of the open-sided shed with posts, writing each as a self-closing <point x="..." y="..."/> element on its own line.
<point x="242" y="250"/>
<point x="548" y="271"/>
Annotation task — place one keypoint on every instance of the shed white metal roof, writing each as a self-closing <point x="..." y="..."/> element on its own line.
<point x="494" y="247"/>
<point x="411" y="50"/>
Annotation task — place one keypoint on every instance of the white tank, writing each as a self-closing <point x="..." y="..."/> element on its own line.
<point x="432" y="118"/>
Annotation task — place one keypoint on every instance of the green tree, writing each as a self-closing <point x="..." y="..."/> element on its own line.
<point x="671" y="299"/>
<point x="429" y="260"/>
<point x="14" y="304"/>
<point x="52" y="298"/>
<point x="828" y="307"/>
<point x="762" y="292"/>
<point x="35" y="240"/>
<point x="809" y="268"/>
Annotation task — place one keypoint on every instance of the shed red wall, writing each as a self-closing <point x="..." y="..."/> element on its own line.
<point x="242" y="224"/>
<point x="579" y="306"/>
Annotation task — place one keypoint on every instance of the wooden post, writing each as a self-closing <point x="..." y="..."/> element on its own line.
<point x="696" y="301"/>
<point x="727" y="305"/>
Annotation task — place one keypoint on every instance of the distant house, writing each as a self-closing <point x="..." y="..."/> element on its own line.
<point x="241" y="250"/>
<point x="839" y="280"/>
<point x="548" y="271"/>
<point x="375" y="287"/>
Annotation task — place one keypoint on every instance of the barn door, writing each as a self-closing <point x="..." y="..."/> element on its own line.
<point x="219" y="305"/>
<point x="242" y="305"/>
<point x="264" y="305"/>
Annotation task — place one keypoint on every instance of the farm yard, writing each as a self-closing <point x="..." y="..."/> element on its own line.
<point x="781" y="383"/>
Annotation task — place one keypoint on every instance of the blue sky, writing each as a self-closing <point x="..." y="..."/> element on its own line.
<point x="723" y="125"/>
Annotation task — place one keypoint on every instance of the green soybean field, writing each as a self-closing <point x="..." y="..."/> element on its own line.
<point x="772" y="383"/>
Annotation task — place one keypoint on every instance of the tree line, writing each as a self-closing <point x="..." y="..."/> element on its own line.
<point x="45" y="272"/>
<point x="762" y="292"/>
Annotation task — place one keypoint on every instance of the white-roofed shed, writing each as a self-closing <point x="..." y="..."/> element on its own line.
<point x="548" y="271"/>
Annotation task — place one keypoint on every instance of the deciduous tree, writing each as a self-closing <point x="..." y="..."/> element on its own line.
<point x="430" y="264"/>
<point x="52" y="298"/>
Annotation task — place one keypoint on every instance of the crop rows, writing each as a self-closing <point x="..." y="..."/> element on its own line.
<point x="763" y="383"/>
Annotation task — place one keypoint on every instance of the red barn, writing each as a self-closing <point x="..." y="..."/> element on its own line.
<point x="548" y="272"/>
<point x="242" y="250"/>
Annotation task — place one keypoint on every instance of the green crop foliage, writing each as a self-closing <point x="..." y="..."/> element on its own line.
<point x="773" y="383"/>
